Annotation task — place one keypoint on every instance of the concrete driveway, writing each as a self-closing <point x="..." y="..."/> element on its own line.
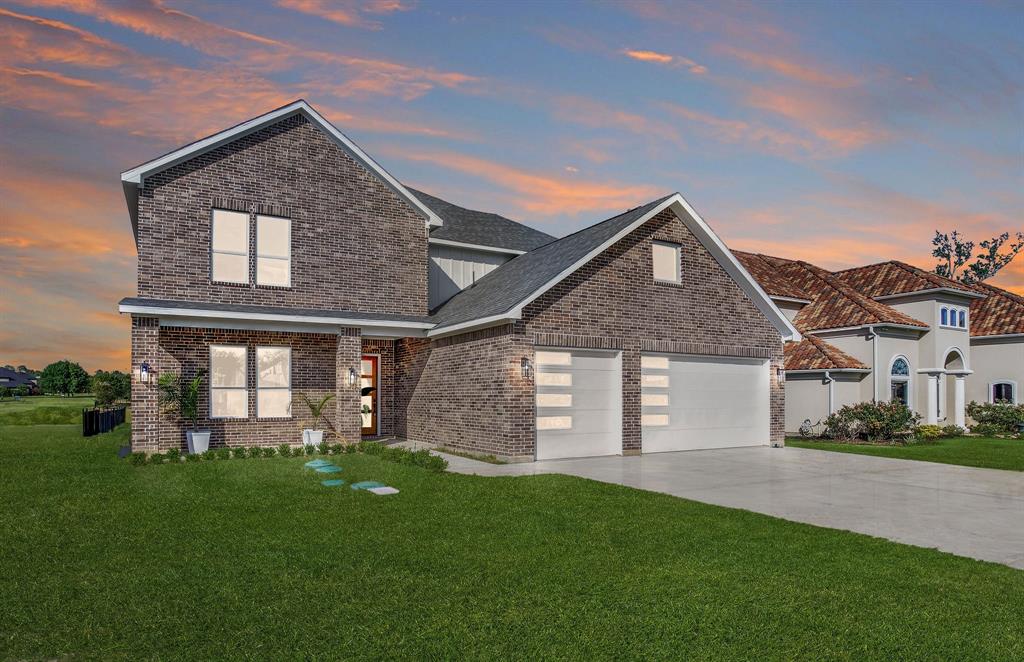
<point x="977" y="513"/>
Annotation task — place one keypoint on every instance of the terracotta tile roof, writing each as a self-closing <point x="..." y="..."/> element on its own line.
<point x="765" y="273"/>
<point x="834" y="303"/>
<point x="813" y="353"/>
<point x="893" y="277"/>
<point x="999" y="313"/>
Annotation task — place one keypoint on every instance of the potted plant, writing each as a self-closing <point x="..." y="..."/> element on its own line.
<point x="313" y="436"/>
<point x="181" y="398"/>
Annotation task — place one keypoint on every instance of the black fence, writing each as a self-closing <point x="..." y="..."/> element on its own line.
<point x="98" y="421"/>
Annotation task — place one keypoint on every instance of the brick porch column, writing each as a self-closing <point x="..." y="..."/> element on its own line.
<point x="347" y="356"/>
<point x="145" y="412"/>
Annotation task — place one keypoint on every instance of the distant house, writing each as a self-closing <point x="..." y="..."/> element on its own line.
<point x="13" y="379"/>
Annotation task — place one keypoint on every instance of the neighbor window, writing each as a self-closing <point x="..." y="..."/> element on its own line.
<point x="273" y="251"/>
<point x="273" y="382"/>
<point x="229" y="247"/>
<point x="228" y="395"/>
<point x="1004" y="392"/>
<point x="666" y="261"/>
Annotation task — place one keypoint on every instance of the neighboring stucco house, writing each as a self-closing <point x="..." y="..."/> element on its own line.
<point x="892" y="331"/>
<point x="281" y="259"/>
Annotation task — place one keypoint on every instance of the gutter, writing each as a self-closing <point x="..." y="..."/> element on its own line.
<point x="873" y="337"/>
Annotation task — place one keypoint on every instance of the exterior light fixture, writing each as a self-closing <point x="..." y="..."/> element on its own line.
<point x="780" y="373"/>
<point x="527" y="367"/>
<point x="351" y="376"/>
<point x="144" y="373"/>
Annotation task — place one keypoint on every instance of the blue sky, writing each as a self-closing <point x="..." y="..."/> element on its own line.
<point x="841" y="133"/>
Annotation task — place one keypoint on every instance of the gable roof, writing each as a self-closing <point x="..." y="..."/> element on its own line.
<point x="1000" y="313"/>
<point x="134" y="179"/>
<point x="834" y="304"/>
<point x="768" y="276"/>
<point x="813" y="353"/>
<point x="468" y="226"/>
<point x="503" y="293"/>
<point x="13" y="378"/>
<point x="894" y="278"/>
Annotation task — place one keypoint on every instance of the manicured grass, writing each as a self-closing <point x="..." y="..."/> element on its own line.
<point x="255" y="559"/>
<point x="44" y="409"/>
<point x="967" y="451"/>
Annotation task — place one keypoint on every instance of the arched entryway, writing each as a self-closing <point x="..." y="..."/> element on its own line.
<point x="952" y="388"/>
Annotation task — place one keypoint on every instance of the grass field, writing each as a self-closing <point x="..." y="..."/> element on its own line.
<point x="44" y="410"/>
<point x="255" y="559"/>
<point x="966" y="451"/>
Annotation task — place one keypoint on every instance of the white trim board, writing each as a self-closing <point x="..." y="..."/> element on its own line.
<point x="134" y="179"/>
<point x="704" y="234"/>
<point x="475" y="247"/>
<point x="198" y="315"/>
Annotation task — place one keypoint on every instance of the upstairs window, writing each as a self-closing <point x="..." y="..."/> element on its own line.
<point x="962" y="319"/>
<point x="665" y="258"/>
<point x="944" y="317"/>
<point x="953" y="318"/>
<point x="900" y="367"/>
<point x="273" y="251"/>
<point x="229" y="254"/>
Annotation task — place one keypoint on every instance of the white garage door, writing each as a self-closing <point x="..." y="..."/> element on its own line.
<point x="579" y="403"/>
<point x="692" y="402"/>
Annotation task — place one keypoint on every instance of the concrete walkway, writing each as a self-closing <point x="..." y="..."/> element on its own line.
<point x="977" y="513"/>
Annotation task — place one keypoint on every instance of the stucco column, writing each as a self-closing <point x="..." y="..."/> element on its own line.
<point x="933" y="400"/>
<point x="959" y="417"/>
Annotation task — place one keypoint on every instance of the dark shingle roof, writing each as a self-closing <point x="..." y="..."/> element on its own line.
<point x="478" y="227"/>
<point x="341" y="315"/>
<point x="511" y="283"/>
<point x="13" y="378"/>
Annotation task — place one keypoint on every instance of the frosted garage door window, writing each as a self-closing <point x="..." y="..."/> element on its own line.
<point x="228" y="395"/>
<point x="230" y="247"/>
<point x="273" y="382"/>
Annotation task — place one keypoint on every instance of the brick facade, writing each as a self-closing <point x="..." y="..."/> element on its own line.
<point x="356" y="245"/>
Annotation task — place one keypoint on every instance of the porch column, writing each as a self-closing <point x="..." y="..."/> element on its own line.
<point x="959" y="418"/>
<point x="933" y="400"/>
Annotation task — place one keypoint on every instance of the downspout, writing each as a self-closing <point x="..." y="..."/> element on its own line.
<point x="873" y="337"/>
<point x="831" y="392"/>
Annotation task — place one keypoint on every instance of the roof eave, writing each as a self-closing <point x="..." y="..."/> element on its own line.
<point x="933" y="290"/>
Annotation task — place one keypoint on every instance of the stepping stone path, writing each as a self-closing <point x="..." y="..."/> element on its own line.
<point x="326" y="467"/>
<point x="333" y="482"/>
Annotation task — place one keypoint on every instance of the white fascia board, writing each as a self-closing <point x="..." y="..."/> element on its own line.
<point x="934" y="290"/>
<point x="876" y="325"/>
<point x="473" y="325"/>
<point x="138" y="174"/>
<point x="199" y="313"/>
<point x="1001" y="336"/>
<point x="811" y="371"/>
<point x="789" y="299"/>
<point x="475" y="247"/>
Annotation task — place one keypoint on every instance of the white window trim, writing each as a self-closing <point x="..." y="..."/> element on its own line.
<point x="244" y="386"/>
<point x="1011" y="382"/>
<point x="273" y="257"/>
<point x="273" y="388"/>
<point x="248" y="238"/>
<point x="902" y="378"/>
<point x="678" y="248"/>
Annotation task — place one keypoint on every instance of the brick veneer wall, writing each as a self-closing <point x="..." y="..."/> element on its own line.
<point x="613" y="302"/>
<point x="356" y="245"/>
<point x="316" y="359"/>
<point x="386" y="384"/>
<point x="467" y="392"/>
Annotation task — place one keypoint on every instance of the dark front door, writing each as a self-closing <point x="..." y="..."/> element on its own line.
<point x="369" y="383"/>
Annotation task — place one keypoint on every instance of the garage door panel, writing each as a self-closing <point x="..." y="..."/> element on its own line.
<point x="578" y="403"/>
<point x="703" y="402"/>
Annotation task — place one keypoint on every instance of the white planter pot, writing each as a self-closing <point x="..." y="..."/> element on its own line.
<point x="198" y="441"/>
<point x="312" y="437"/>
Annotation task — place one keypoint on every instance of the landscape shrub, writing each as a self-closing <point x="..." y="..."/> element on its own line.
<point x="209" y="455"/>
<point x="173" y="455"/>
<point x="223" y="454"/>
<point x="284" y="450"/>
<point x="239" y="453"/>
<point x="953" y="431"/>
<point x="874" y="421"/>
<point x="324" y="447"/>
<point x="255" y="452"/>
<point x="308" y="449"/>
<point x="928" y="432"/>
<point x="137" y="459"/>
<point x="987" y="429"/>
<point x="157" y="458"/>
<point x="997" y="418"/>
<point x="192" y="457"/>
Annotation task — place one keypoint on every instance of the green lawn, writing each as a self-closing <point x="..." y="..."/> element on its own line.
<point x="43" y="409"/>
<point x="254" y="559"/>
<point x="968" y="451"/>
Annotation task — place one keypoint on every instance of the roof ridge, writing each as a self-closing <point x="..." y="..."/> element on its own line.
<point x="862" y="301"/>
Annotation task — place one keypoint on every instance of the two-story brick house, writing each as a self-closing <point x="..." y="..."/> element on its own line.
<point x="280" y="259"/>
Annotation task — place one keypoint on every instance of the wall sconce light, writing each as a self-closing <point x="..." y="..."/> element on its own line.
<point x="144" y="373"/>
<point x="527" y="367"/>
<point x="780" y="374"/>
<point x="351" y="376"/>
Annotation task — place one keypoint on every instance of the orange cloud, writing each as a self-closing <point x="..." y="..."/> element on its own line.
<point x="346" y="12"/>
<point x="662" y="58"/>
<point x="536" y="193"/>
<point x="592" y="113"/>
<point x="790" y="68"/>
<point x="758" y="136"/>
<point x="834" y="120"/>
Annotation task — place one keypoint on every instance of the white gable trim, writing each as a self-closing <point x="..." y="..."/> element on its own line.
<point x="475" y="247"/>
<point x="135" y="178"/>
<point x="704" y="234"/>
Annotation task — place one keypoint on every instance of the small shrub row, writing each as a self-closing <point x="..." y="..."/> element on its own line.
<point x="931" y="432"/>
<point x="873" y="421"/>
<point x="421" y="458"/>
<point x="994" y="419"/>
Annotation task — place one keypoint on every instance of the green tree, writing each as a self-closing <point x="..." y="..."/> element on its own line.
<point x="111" y="387"/>
<point x="957" y="259"/>
<point x="64" y="377"/>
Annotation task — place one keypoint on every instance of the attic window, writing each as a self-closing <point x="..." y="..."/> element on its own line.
<point x="665" y="261"/>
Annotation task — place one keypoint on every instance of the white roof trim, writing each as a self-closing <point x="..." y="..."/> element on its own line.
<point x="934" y="290"/>
<point x="161" y="311"/>
<point x="999" y="336"/>
<point x="789" y="299"/>
<point x="873" y="325"/>
<point x="472" y="325"/>
<point x="711" y="242"/>
<point x="809" y="371"/>
<point x="475" y="247"/>
<point x="137" y="175"/>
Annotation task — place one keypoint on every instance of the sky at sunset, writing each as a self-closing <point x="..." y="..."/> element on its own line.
<point x="840" y="133"/>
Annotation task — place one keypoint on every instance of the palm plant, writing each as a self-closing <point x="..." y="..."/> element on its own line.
<point x="178" y="396"/>
<point x="316" y="409"/>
